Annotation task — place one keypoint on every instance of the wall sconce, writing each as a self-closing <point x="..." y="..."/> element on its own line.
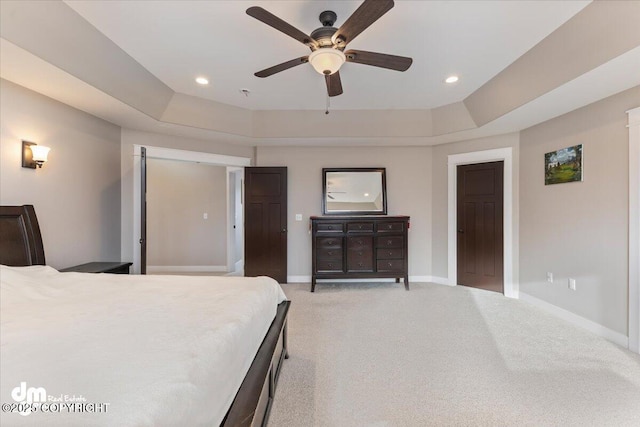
<point x="33" y="155"/>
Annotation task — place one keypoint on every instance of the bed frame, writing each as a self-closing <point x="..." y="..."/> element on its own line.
<point x="21" y="245"/>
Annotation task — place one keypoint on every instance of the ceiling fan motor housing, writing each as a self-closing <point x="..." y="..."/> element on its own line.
<point x="323" y="34"/>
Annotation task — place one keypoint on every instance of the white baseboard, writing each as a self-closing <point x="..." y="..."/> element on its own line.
<point x="439" y="280"/>
<point x="580" y="321"/>
<point x="186" y="268"/>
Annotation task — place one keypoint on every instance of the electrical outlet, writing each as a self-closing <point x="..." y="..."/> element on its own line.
<point x="572" y="284"/>
<point x="549" y="277"/>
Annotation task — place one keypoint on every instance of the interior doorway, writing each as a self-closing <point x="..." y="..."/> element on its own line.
<point x="187" y="206"/>
<point x="233" y="162"/>
<point x="479" y="225"/>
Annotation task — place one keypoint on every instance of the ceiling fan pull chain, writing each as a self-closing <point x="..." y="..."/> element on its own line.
<point x="328" y="104"/>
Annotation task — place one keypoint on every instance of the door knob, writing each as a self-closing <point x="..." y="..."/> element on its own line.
<point x="460" y="230"/>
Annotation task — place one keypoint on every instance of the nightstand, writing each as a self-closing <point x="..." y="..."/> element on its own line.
<point x="100" y="267"/>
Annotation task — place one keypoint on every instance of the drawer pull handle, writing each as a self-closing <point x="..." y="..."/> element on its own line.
<point x="330" y="242"/>
<point x="331" y="265"/>
<point x="359" y="242"/>
<point x="359" y="253"/>
<point x="389" y="242"/>
<point x="330" y="253"/>
<point x="390" y="253"/>
<point x="389" y="226"/>
<point x="389" y="264"/>
<point x="359" y="264"/>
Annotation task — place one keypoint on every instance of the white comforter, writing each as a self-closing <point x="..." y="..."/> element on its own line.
<point x="157" y="350"/>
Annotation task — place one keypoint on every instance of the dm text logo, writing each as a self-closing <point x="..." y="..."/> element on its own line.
<point x="28" y="395"/>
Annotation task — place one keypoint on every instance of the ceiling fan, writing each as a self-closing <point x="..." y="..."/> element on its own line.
<point x="327" y="43"/>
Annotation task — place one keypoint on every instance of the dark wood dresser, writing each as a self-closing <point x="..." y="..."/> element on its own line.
<point x="359" y="247"/>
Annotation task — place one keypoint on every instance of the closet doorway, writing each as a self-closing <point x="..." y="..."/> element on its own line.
<point x="186" y="217"/>
<point x="228" y="240"/>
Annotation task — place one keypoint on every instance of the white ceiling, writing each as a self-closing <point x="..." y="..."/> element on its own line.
<point x="179" y="40"/>
<point x="175" y="41"/>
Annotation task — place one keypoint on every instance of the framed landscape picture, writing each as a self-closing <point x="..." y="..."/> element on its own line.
<point x="564" y="165"/>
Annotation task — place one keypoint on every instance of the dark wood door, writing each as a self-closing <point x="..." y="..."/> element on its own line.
<point x="480" y="215"/>
<point x="265" y="233"/>
<point x="143" y="211"/>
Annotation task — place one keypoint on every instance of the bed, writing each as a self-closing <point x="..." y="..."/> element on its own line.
<point x="104" y="349"/>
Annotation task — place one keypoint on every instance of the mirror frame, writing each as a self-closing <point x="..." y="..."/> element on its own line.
<point x="343" y="213"/>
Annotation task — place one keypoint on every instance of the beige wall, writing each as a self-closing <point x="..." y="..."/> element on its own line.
<point x="579" y="229"/>
<point x="440" y="192"/>
<point x="178" y="196"/>
<point x="129" y="138"/>
<point x="408" y="193"/>
<point x="76" y="194"/>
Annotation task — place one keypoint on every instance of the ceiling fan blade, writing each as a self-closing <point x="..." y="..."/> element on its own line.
<point x="334" y="84"/>
<point x="368" y="13"/>
<point x="281" y="67"/>
<point x="270" y="19"/>
<point x="392" y="62"/>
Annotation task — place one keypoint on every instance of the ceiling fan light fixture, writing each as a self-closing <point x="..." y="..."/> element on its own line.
<point x="327" y="61"/>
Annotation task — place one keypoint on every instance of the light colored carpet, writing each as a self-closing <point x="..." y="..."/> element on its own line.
<point x="377" y="355"/>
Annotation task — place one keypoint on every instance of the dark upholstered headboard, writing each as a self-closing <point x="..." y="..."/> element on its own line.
<point x="20" y="239"/>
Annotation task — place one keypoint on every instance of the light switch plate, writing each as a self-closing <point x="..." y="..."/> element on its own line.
<point x="298" y="217"/>
<point x="572" y="284"/>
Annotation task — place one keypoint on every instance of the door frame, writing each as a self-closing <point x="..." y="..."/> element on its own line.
<point x="511" y="288"/>
<point x="634" y="229"/>
<point x="232" y="172"/>
<point x="170" y="154"/>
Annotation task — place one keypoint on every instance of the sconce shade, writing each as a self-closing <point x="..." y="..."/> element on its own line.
<point x="39" y="153"/>
<point x="327" y="60"/>
<point x="33" y="155"/>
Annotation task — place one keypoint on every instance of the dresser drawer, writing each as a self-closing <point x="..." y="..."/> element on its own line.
<point x="360" y="242"/>
<point x="330" y="254"/>
<point x="359" y="226"/>
<point x="393" y="253"/>
<point x="329" y="242"/>
<point x="359" y="263"/>
<point x="327" y="265"/>
<point x="387" y="265"/>
<point x="390" y="226"/>
<point x="390" y="242"/>
<point x="330" y="227"/>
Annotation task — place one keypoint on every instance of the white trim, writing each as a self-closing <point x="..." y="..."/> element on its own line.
<point x="170" y="154"/>
<point x="439" y="280"/>
<point x="634" y="229"/>
<point x="192" y="156"/>
<point x="231" y="211"/>
<point x="151" y="269"/>
<point x="580" y="321"/>
<point x="501" y="154"/>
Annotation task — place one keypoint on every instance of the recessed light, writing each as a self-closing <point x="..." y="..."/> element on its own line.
<point x="451" y="79"/>
<point x="366" y="194"/>
<point x="202" y="81"/>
